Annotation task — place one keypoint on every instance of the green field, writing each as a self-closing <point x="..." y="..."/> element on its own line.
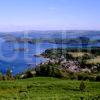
<point x="45" y="88"/>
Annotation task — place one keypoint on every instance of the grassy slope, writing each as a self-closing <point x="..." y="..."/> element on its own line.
<point x="44" y="88"/>
<point x="94" y="60"/>
<point x="78" y="54"/>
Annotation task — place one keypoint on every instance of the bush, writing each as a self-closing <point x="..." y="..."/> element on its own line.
<point x="9" y="75"/>
<point x="66" y="74"/>
<point x="57" y="73"/>
<point x="83" y="76"/>
<point x="29" y="74"/>
<point x="50" y="70"/>
<point x="92" y="78"/>
<point x="17" y="76"/>
<point x="1" y="76"/>
<point x="98" y="78"/>
<point x="5" y="78"/>
<point x="82" y="86"/>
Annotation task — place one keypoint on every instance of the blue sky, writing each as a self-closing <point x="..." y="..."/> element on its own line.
<point x="49" y="14"/>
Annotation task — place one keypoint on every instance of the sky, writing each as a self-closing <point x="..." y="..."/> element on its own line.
<point x="18" y="15"/>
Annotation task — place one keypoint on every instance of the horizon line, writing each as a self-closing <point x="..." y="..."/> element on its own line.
<point x="51" y="30"/>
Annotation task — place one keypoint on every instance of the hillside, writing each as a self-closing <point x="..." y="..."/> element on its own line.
<point x="46" y="88"/>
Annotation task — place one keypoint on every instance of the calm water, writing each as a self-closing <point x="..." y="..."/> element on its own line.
<point x="19" y="61"/>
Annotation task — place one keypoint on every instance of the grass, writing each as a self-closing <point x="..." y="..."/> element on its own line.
<point x="94" y="60"/>
<point x="78" y="54"/>
<point x="46" y="88"/>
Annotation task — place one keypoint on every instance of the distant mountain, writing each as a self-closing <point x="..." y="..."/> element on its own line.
<point x="93" y="35"/>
